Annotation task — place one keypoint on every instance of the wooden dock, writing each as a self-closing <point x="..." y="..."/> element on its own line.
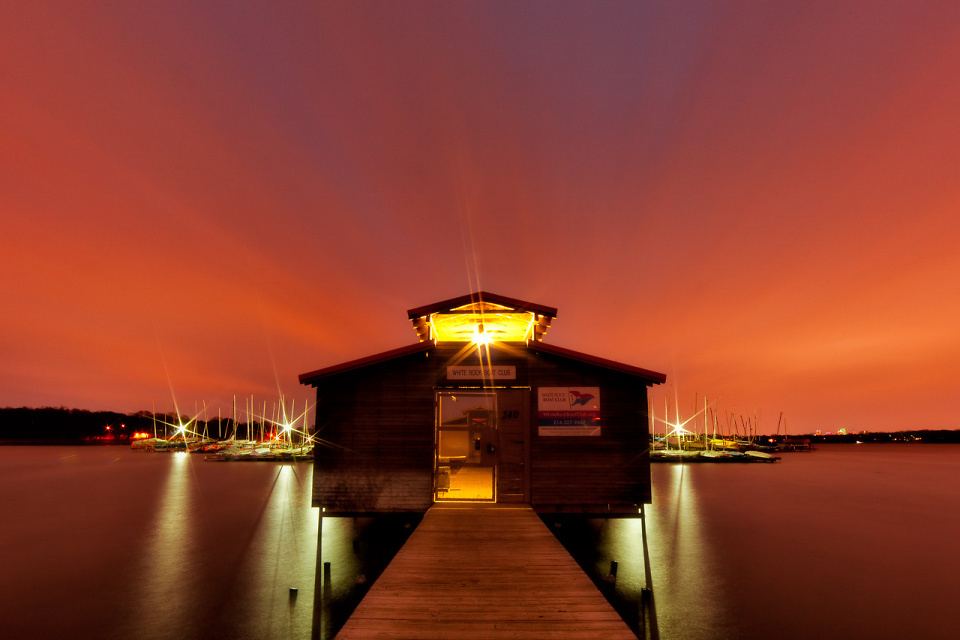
<point x="484" y="572"/>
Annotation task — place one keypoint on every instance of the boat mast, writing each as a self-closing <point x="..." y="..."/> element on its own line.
<point x="666" y="423"/>
<point x="706" y="444"/>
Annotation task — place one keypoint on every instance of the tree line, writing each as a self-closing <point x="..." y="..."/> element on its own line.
<point x="60" y="424"/>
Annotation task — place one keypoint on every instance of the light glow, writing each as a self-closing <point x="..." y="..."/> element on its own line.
<point x="500" y="323"/>
<point x="481" y="337"/>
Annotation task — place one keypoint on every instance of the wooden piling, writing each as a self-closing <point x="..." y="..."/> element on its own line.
<point x="648" y="611"/>
<point x="316" y="627"/>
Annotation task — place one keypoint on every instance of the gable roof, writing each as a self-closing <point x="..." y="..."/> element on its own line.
<point x="359" y="363"/>
<point x="653" y="376"/>
<point x="481" y="296"/>
<point x="536" y="347"/>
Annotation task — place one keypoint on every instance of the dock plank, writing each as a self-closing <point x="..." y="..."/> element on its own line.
<point x="483" y="573"/>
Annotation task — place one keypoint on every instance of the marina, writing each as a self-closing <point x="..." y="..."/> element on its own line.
<point x="712" y="456"/>
<point x="229" y="450"/>
<point x="705" y="442"/>
<point x="280" y="438"/>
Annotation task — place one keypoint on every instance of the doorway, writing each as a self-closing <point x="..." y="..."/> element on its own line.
<point x="466" y="447"/>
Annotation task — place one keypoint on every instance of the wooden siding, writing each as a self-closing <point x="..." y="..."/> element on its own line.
<point x="375" y="429"/>
<point x="376" y="426"/>
<point x="609" y="473"/>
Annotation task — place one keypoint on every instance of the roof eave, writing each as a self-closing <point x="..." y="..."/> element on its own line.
<point x="654" y="377"/>
<point x="452" y="303"/>
<point x="309" y="378"/>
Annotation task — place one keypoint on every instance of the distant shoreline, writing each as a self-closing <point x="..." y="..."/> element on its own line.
<point x="64" y="443"/>
<point x="62" y="426"/>
<point x="931" y="436"/>
<point x="898" y="437"/>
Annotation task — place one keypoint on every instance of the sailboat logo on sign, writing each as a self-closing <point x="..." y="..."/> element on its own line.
<point x="580" y="398"/>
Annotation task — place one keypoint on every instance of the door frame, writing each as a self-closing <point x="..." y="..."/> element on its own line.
<point x="485" y="441"/>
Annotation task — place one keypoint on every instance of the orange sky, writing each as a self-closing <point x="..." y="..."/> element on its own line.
<point x="758" y="199"/>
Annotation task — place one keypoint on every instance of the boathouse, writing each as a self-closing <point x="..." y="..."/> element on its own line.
<point x="482" y="410"/>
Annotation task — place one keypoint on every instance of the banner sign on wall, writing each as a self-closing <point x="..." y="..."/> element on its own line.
<point x="568" y="411"/>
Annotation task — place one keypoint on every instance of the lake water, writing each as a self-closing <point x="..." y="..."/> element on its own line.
<point x="848" y="541"/>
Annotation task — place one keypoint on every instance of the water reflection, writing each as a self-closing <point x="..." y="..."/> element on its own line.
<point x="226" y="544"/>
<point x="689" y="596"/>
<point x="342" y="575"/>
<point x="357" y="551"/>
<point x="166" y="577"/>
<point x="283" y="555"/>
<point x="596" y="544"/>
<point x="107" y="543"/>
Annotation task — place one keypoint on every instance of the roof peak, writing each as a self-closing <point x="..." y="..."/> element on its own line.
<point x="482" y="315"/>
<point x="485" y="297"/>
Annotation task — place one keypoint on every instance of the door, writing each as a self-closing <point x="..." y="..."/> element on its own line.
<point x="513" y="411"/>
<point x="466" y="447"/>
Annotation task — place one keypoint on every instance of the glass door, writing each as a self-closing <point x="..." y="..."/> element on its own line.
<point x="466" y="445"/>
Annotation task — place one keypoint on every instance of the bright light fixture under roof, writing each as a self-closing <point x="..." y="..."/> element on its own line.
<point x="505" y="319"/>
<point x="501" y="324"/>
<point x="481" y="337"/>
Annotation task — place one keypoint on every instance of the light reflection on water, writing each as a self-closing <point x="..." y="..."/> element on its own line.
<point x="358" y="550"/>
<point x="226" y="544"/>
<point x="287" y="541"/>
<point x="844" y="542"/>
<point x="690" y="598"/>
<point x="104" y="542"/>
<point x="166" y="583"/>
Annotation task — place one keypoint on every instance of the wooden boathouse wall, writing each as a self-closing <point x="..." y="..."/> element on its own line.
<point x="603" y="474"/>
<point x="375" y="436"/>
<point x="376" y="421"/>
